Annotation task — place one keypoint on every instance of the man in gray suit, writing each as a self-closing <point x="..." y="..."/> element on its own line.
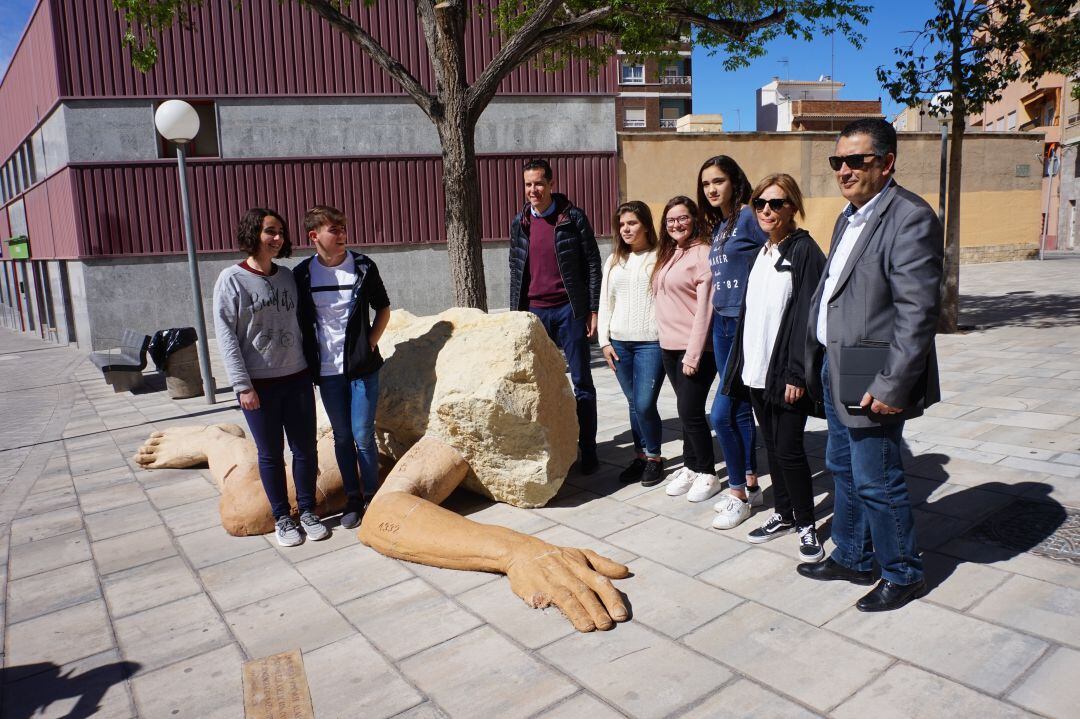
<point x="879" y="293"/>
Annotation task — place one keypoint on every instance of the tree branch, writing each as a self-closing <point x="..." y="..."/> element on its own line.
<point x="734" y="29"/>
<point x="518" y="48"/>
<point x="375" y="51"/>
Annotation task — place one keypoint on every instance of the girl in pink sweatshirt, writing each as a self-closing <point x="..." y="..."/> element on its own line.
<point x="682" y="286"/>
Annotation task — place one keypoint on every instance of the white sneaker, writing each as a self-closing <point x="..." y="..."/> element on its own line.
<point x="680" y="482"/>
<point x="731" y="512"/>
<point x="287" y="533"/>
<point x="313" y="526"/>
<point x="706" y="484"/>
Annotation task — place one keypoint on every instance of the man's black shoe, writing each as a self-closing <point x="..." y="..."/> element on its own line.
<point x="830" y="570"/>
<point x="653" y="473"/>
<point x="633" y="472"/>
<point x="589" y="463"/>
<point x="887" y="596"/>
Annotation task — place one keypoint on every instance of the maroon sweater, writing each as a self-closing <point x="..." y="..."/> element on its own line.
<point x="544" y="281"/>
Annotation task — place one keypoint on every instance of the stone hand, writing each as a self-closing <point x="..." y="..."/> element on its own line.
<point x="577" y="581"/>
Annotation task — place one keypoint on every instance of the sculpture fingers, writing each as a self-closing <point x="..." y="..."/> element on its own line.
<point x="605" y="566"/>
<point x="602" y="586"/>
<point x="572" y="609"/>
<point x="565" y="574"/>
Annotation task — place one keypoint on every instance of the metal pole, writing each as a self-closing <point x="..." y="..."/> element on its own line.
<point x="943" y="173"/>
<point x="196" y="287"/>
<point x="1049" y="194"/>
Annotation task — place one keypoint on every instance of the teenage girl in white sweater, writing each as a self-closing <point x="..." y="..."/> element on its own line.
<point x="628" y="336"/>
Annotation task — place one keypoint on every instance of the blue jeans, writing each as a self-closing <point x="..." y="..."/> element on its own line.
<point x="732" y="419"/>
<point x="288" y="406"/>
<point x="871" y="509"/>
<point x="569" y="334"/>
<point x="640" y="371"/>
<point x="351" y="410"/>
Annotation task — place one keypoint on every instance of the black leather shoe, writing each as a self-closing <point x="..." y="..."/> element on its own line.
<point x="887" y="596"/>
<point x="829" y="570"/>
<point x="633" y="472"/>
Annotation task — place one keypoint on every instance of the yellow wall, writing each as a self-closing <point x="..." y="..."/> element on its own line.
<point x="999" y="208"/>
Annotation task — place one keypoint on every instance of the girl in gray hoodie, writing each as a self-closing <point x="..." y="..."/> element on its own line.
<point x="259" y="339"/>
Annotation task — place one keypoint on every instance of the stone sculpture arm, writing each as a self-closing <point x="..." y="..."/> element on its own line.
<point x="404" y="521"/>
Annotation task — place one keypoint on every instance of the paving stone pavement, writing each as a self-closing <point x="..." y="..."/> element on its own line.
<point x="122" y="596"/>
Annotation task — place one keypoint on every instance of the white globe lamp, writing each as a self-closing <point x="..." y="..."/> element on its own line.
<point x="177" y="121"/>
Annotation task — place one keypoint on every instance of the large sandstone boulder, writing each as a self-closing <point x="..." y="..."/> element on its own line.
<point x="493" y="386"/>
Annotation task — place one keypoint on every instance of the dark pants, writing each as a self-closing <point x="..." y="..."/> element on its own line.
<point x="793" y="492"/>
<point x="288" y="406"/>
<point x="569" y="334"/>
<point x="691" y="394"/>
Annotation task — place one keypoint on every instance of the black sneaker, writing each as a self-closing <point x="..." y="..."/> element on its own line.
<point x="775" y="526"/>
<point x="633" y="472"/>
<point x="810" y="549"/>
<point x="653" y="474"/>
<point x="351" y="517"/>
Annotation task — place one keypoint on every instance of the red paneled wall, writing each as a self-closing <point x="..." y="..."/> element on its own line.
<point x="30" y="87"/>
<point x="134" y="209"/>
<point x="51" y="219"/>
<point x="267" y="47"/>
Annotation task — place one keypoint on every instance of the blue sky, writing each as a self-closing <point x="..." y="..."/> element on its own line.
<point x="728" y="93"/>
<point x="717" y="91"/>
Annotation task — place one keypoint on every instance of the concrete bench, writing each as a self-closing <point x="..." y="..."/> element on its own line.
<point x="123" y="366"/>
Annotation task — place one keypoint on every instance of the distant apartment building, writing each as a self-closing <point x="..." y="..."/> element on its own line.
<point x="653" y="94"/>
<point x="1025" y="107"/>
<point x="795" y="105"/>
<point x="293" y="114"/>
<point x="918" y="118"/>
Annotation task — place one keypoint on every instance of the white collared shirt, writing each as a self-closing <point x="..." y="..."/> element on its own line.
<point x="767" y="293"/>
<point x="857" y="220"/>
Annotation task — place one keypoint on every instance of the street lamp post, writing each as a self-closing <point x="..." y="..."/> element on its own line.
<point x="178" y="123"/>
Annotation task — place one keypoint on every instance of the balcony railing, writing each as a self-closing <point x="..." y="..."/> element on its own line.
<point x="675" y="80"/>
<point x="1074" y="119"/>
<point x="633" y="123"/>
<point x="667" y="123"/>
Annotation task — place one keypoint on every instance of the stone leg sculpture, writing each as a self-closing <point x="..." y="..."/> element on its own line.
<point x="466" y="398"/>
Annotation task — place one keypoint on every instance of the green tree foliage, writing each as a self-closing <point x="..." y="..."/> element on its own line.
<point x="550" y="32"/>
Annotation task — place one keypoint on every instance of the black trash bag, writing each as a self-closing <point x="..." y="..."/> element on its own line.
<point x="165" y="342"/>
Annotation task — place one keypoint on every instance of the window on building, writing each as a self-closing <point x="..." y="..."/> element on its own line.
<point x="999" y="124"/>
<point x="205" y="143"/>
<point x="1049" y="114"/>
<point x="633" y="74"/>
<point x="1010" y="121"/>
<point x="634" y="117"/>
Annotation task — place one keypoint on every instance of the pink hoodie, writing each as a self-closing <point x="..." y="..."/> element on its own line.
<point x="683" y="291"/>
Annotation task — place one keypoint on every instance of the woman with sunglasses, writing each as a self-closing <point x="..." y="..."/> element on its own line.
<point x="628" y="338"/>
<point x="682" y="286"/>
<point x="767" y="359"/>
<point x="723" y="193"/>
<point x="259" y="338"/>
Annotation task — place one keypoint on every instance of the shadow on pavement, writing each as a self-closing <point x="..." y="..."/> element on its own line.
<point x="29" y="688"/>
<point x="1023" y="308"/>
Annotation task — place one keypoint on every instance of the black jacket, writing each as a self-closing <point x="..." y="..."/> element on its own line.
<point x="787" y="364"/>
<point x="575" y="250"/>
<point x="368" y="293"/>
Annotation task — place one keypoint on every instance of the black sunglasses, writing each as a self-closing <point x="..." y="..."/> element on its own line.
<point x="855" y="162"/>
<point x="774" y="205"/>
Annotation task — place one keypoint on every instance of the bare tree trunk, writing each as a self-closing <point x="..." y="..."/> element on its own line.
<point x="463" y="230"/>
<point x="950" y="278"/>
<point x="455" y="119"/>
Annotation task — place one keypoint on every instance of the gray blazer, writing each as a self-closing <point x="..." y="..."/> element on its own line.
<point x="888" y="291"/>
